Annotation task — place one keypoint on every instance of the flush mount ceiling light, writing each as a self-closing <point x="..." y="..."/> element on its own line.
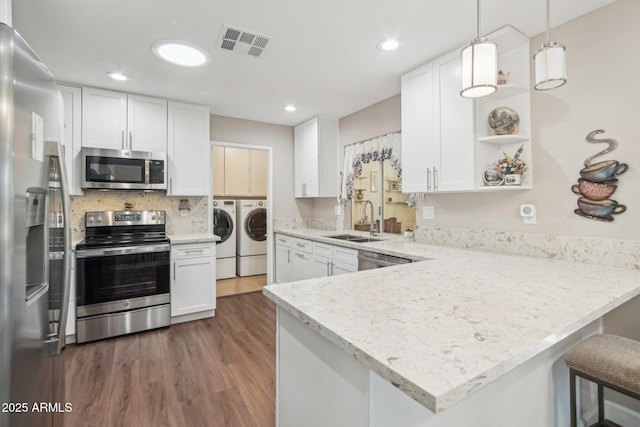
<point x="550" y="63"/>
<point x="290" y="108"/>
<point x="388" y="44"/>
<point x="479" y="65"/>
<point x="180" y="53"/>
<point x="118" y="76"/>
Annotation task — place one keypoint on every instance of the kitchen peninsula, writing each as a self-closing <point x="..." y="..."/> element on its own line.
<point x="463" y="338"/>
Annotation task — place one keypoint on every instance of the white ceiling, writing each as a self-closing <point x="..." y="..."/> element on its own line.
<point x="322" y="55"/>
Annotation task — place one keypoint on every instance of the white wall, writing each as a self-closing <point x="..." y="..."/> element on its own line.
<point x="378" y="119"/>
<point x="601" y="93"/>
<point x="240" y="131"/>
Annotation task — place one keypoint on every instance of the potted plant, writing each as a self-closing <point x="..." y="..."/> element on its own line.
<point x="512" y="167"/>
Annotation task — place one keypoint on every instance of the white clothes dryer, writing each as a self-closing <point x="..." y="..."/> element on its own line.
<point x="224" y="218"/>
<point x="251" y="253"/>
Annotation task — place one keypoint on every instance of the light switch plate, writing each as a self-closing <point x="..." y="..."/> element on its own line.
<point x="428" y="212"/>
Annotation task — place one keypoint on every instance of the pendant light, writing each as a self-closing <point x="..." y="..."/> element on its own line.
<point x="479" y="65"/>
<point x="550" y="63"/>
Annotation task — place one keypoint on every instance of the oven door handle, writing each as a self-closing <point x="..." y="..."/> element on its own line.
<point x="125" y="250"/>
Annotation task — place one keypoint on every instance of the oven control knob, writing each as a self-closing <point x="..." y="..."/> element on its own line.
<point x="99" y="218"/>
<point x="260" y="203"/>
<point x="90" y="219"/>
<point x="154" y="217"/>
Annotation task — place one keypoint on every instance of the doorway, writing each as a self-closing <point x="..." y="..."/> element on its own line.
<point x="240" y="212"/>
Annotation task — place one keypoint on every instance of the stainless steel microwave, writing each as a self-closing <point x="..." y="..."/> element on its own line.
<point x="123" y="170"/>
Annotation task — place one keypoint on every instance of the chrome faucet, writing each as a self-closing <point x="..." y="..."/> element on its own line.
<point x="373" y="228"/>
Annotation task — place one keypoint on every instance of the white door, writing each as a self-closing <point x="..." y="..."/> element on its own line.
<point x="189" y="152"/>
<point x="147" y="124"/>
<point x="194" y="286"/>
<point x="283" y="264"/>
<point x="104" y="119"/>
<point x="454" y="150"/>
<point x="417" y="130"/>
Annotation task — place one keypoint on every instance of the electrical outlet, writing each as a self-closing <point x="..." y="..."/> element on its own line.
<point x="428" y="212"/>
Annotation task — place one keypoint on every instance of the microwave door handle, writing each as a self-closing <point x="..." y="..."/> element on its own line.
<point x="55" y="343"/>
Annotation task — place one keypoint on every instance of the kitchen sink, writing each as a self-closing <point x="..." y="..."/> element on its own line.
<point x="355" y="239"/>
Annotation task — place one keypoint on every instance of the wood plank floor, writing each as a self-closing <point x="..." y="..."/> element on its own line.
<point x="240" y="285"/>
<point x="213" y="372"/>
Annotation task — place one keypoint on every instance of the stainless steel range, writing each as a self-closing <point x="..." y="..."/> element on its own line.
<point x="123" y="274"/>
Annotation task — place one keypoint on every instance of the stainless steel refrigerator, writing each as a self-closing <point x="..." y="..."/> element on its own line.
<point x="34" y="239"/>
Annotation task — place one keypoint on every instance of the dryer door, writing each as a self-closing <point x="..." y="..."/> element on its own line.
<point x="222" y="225"/>
<point x="255" y="225"/>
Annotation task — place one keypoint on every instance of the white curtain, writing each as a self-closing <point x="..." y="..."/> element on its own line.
<point x="377" y="149"/>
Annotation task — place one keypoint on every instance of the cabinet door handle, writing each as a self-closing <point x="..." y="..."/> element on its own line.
<point x="122" y="139"/>
<point x="332" y="271"/>
<point x="428" y="179"/>
<point x="130" y="140"/>
<point x="328" y="273"/>
<point x="435" y="179"/>
<point x="174" y="271"/>
<point x="171" y="185"/>
<point x="288" y="256"/>
<point x="300" y="245"/>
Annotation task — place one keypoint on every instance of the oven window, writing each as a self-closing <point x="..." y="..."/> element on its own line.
<point x="112" y="278"/>
<point x="113" y="169"/>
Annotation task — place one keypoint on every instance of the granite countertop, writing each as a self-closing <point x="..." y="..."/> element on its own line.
<point x="193" y="238"/>
<point x="441" y="328"/>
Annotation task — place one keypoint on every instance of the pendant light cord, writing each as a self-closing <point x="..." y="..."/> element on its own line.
<point x="548" y="21"/>
<point x="478" y="19"/>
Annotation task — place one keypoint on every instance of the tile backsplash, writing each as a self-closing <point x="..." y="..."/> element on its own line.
<point x="195" y="221"/>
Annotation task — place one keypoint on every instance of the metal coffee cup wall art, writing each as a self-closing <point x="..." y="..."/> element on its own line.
<point x="597" y="182"/>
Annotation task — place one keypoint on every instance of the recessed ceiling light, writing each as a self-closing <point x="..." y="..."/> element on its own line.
<point x="180" y="53"/>
<point x="290" y="108"/>
<point x="389" y="44"/>
<point x="118" y="76"/>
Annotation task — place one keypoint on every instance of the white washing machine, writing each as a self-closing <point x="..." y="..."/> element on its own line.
<point x="224" y="218"/>
<point x="251" y="250"/>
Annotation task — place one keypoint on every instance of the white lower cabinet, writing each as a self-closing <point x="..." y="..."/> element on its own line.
<point x="294" y="259"/>
<point x="300" y="259"/>
<point x="193" y="281"/>
<point x="330" y="260"/>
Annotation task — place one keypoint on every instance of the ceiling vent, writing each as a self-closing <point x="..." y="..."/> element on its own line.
<point x="245" y="42"/>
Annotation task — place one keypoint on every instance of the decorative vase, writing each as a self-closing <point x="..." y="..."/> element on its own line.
<point x="512" y="179"/>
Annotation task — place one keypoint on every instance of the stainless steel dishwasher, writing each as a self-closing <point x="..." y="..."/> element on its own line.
<point x="368" y="260"/>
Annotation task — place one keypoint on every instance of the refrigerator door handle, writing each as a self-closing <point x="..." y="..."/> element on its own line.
<point x="34" y="292"/>
<point x="56" y="342"/>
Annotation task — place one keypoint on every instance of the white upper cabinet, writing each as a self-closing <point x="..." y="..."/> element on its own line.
<point x="72" y="131"/>
<point x="437" y="129"/>
<point x="418" y="133"/>
<point x="446" y="142"/>
<point x="453" y="146"/>
<point x="315" y="158"/>
<point x="189" y="153"/>
<point x="118" y="121"/>
<point x="147" y="124"/>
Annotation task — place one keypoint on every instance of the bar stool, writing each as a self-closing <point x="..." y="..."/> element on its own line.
<point x="609" y="361"/>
